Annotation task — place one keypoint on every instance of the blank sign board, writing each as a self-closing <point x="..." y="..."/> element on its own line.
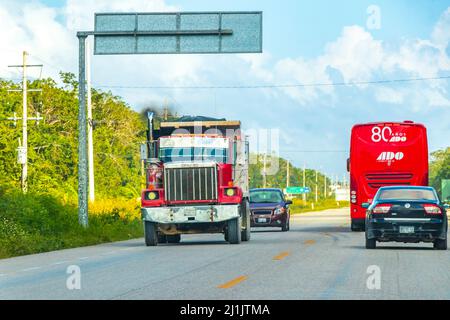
<point x="165" y="33"/>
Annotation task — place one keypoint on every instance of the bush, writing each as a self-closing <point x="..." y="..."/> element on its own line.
<point x="35" y="223"/>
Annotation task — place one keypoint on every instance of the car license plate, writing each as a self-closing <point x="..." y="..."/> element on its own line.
<point x="404" y="229"/>
<point x="262" y="220"/>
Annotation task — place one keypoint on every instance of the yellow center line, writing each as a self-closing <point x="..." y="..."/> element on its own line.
<point x="281" y="256"/>
<point x="309" y="242"/>
<point x="233" y="282"/>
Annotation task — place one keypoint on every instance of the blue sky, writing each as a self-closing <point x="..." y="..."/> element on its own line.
<point x="304" y="42"/>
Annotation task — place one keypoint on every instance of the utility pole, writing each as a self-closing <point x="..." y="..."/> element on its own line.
<point x="23" y="149"/>
<point x="316" y="186"/>
<point x="287" y="174"/>
<point x="325" y="186"/>
<point x="90" y="125"/>
<point x="264" y="172"/>
<point x="304" y="181"/>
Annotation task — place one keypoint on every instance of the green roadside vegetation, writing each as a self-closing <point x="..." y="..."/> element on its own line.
<point x="299" y="206"/>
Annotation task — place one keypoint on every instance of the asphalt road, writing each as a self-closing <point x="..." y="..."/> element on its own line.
<point x="318" y="259"/>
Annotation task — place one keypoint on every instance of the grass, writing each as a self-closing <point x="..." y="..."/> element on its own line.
<point x="299" y="207"/>
<point x="36" y="223"/>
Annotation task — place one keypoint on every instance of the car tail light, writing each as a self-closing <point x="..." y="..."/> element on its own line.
<point x="432" y="209"/>
<point x="382" y="208"/>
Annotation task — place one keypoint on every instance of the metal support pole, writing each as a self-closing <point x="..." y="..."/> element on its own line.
<point x="24" y="124"/>
<point x="90" y="125"/>
<point x="82" y="143"/>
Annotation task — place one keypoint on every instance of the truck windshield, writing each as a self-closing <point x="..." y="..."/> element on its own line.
<point x="407" y="194"/>
<point x="265" y="196"/>
<point x="186" y="149"/>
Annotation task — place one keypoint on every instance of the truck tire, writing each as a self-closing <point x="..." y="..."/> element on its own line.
<point x="162" y="238"/>
<point x="440" y="244"/>
<point x="245" y="233"/>
<point x="176" y="238"/>
<point x="151" y="234"/>
<point x="234" y="231"/>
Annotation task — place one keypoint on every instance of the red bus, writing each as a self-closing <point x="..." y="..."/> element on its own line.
<point x="384" y="154"/>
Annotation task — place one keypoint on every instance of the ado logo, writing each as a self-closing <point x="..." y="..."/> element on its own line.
<point x="389" y="156"/>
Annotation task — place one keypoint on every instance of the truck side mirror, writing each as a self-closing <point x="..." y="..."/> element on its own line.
<point x="365" y="205"/>
<point x="288" y="202"/>
<point x="348" y="164"/>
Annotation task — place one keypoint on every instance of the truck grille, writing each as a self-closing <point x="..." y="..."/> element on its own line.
<point x="190" y="184"/>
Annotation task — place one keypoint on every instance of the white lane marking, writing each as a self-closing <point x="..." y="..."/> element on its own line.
<point x="30" y="269"/>
<point x="2" y="275"/>
<point x="59" y="262"/>
<point x="83" y="258"/>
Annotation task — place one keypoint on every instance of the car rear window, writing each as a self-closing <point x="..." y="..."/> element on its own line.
<point x="407" y="194"/>
<point x="265" y="196"/>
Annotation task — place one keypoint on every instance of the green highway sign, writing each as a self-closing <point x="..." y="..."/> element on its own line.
<point x="297" y="190"/>
<point x="178" y="32"/>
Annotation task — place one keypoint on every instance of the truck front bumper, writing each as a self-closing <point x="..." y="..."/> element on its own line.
<point x="191" y="214"/>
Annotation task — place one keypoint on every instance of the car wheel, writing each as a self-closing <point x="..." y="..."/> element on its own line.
<point x="285" y="226"/>
<point x="174" y="238"/>
<point x="151" y="235"/>
<point x="234" y="231"/>
<point x="440" y="244"/>
<point x="371" y="243"/>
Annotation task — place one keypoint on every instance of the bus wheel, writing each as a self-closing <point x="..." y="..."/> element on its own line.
<point x="358" y="227"/>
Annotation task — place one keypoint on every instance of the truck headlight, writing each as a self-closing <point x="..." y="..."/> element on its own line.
<point x="280" y="210"/>
<point x="230" y="192"/>
<point x="152" y="195"/>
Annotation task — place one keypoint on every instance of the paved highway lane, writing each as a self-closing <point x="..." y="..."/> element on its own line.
<point x="318" y="259"/>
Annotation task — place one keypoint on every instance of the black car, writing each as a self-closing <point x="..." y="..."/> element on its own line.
<point x="269" y="208"/>
<point x="406" y="214"/>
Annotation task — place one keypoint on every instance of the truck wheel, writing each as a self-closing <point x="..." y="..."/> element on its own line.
<point x="234" y="231"/>
<point x="151" y="235"/>
<point x="162" y="238"/>
<point x="245" y="233"/>
<point x="440" y="244"/>
<point x="174" y="238"/>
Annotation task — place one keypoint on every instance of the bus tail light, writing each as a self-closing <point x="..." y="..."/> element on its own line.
<point x="353" y="198"/>
<point x="432" y="209"/>
<point x="382" y="208"/>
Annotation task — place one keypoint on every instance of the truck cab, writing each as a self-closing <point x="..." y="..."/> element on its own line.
<point x="196" y="181"/>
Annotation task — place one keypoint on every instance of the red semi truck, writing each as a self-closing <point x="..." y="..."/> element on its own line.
<point x="384" y="154"/>
<point x="197" y="180"/>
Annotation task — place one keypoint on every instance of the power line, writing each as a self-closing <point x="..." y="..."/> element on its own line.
<point x="268" y="86"/>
